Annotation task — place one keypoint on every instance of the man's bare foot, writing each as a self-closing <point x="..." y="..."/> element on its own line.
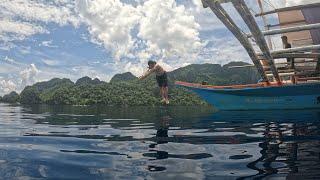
<point x="167" y="101"/>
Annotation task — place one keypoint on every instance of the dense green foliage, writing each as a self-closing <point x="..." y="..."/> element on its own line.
<point x="215" y="74"/>
<point x="87" y="80"/>
<point x="12" y="97"/>
<point x="128" y="76"/>
<point x="126" y="90"/>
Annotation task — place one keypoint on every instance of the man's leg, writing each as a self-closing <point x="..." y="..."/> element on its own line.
<point x="162" y="93"/>
<point x="166" y="93"/>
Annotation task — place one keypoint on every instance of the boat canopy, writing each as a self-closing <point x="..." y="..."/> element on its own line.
<point x="301" y="15"/>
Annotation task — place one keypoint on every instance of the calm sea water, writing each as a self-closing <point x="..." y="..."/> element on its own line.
<point x="64" y="142"/>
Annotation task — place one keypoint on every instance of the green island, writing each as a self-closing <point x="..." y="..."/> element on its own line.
<point x="126" y="90"/>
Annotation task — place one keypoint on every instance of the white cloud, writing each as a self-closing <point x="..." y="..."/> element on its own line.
<point x="24" y="18"/>
<point x="169" y="30"/>
<point x="28" y="75"/>
<point x="110" y="23"/>
<point x="9" y="60"/>
<point x="41" y="11"/>
<point x="6" y="86"/>
<point x="16" y="30"/>
<point x="157" y="28"/>
<point x="47" y="44"/>
<point x="50" y="62"/>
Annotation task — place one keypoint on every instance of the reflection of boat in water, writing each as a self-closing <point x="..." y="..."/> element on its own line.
<point x="289" y="146"/>
<point x="288" y="116"/>
<point x="284" y="85"/>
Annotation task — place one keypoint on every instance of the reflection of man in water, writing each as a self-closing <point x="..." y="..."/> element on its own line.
<point x="161" y="138"/>
<point x="162" y="131"/>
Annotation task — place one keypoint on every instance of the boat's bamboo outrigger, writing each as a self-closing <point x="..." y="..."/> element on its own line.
<point x="300" y="91"/>
<point x="290" y="29"/>
<point x="231" y="25"/>
<point x="285" y="9"/>
<point x="266" y="53"/>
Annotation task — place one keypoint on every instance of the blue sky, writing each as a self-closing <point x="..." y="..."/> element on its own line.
<point x="41" y="39"/>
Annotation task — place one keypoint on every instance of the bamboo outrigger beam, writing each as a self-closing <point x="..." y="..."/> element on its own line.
<point x="218" y="10"/>
<point x="290" y="29"/>
<point x="265" y="22"/>
<point x="245" y="13"/>
<point x="286" y="23"/>
<point x="292" y="55"/>
<point x="296" y="49"/>
<point x="292" y="8"/>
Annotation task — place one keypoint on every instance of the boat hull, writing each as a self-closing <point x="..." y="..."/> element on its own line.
<point x="304" y="96"/>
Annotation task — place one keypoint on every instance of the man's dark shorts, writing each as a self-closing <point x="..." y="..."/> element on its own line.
<point x="162" y="80"/>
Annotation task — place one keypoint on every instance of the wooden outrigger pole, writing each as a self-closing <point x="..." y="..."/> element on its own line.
<point x="265" y="22"/>
<point x="292" y="8"/>
<point x="219" y="11"/>
<point x="290" y="55"/>
<point x="246" y="15"/>
<point x="296" y="49"/>
<point x="290" y="29"/>
<point x="267" y="54"/>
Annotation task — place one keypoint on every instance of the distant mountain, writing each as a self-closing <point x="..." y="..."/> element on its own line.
<point x="126" y="90"/>
<point x="12" y="97"/>
<point x="128" y="76"/>
<point x="216" y="74"/>
<point x="52" y="84"/>
<point x="31" y="94"/>
<point x="88" y="81"/>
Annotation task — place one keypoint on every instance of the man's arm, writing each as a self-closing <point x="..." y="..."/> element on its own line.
<point x="146" y="74"/>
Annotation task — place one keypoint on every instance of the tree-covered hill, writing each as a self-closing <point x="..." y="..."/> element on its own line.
<point x="128" y="76"/>
<point x="126" y="90"/>
<point x="12" y="97"/>
<point x="216" y="74"/>
<point x="87" y="80"/>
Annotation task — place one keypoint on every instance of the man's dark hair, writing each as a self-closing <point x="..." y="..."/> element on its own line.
<point x="284" y="37"/>
<point x="151" y="62"/>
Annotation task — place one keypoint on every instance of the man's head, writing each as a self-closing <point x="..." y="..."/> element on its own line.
<point x="284" y="39"/>
<point x="151" y="64"/>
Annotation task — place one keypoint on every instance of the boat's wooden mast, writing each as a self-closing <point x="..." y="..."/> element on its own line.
<point x="219" y="11"/>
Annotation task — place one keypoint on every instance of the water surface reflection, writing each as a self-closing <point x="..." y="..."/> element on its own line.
<point x="157" y="142"/>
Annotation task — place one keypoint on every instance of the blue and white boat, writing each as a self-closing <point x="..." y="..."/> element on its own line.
<point x="283" y="87"/>
<point x="255" y="97"/>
